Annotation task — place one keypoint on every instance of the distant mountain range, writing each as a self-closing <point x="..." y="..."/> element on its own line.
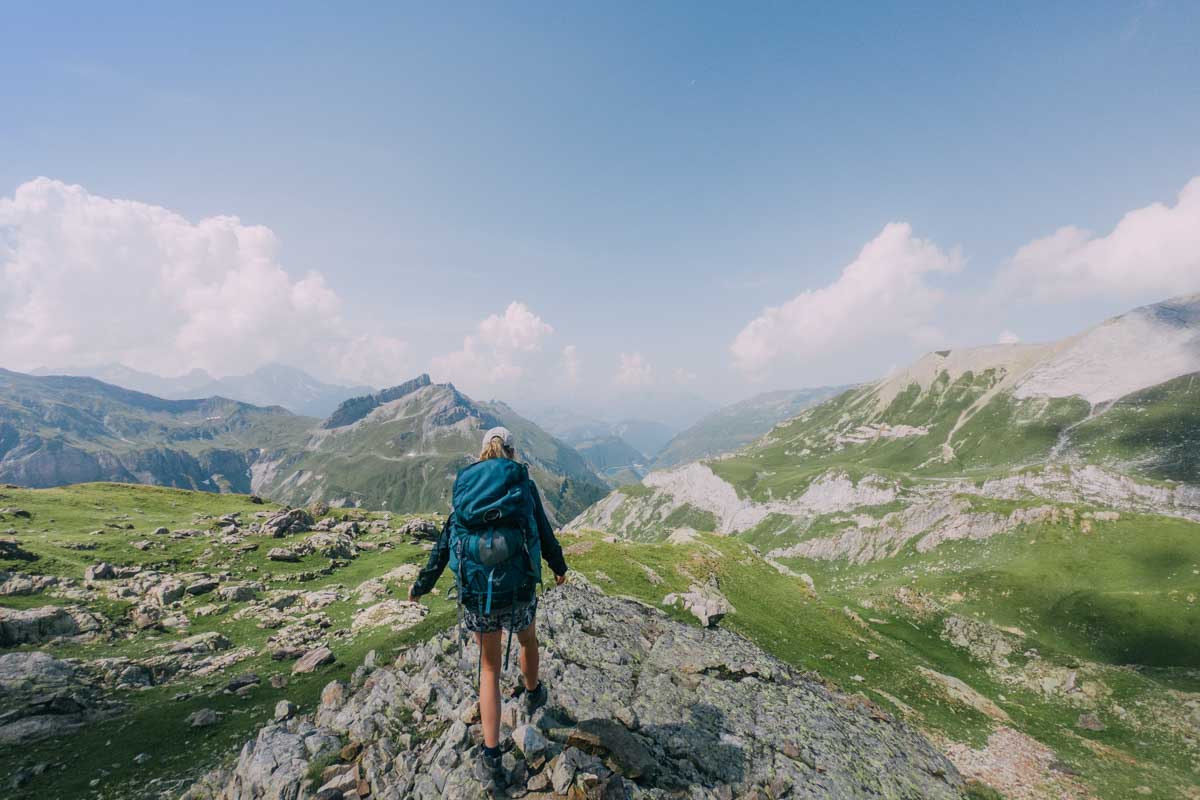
<point x="56" y="430"/>
<point x="621" y="451"/>
<point x="398" y="449"/>
<point x="269" y="385"/>
<point x="733" y="426"/>
<point x="645" y="436"/>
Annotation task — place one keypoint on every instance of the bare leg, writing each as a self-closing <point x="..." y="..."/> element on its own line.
<point x="530" y="657"/>
<point x="489" y="686"/>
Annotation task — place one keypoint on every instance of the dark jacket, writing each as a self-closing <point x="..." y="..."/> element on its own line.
<point x="440" y="555"/>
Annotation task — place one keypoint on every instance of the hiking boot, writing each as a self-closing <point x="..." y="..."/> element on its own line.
<point x="535" y="699"/>
<point x="490" y="774"/>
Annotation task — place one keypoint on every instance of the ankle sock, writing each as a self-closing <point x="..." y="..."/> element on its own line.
<point x="491" y="752"/>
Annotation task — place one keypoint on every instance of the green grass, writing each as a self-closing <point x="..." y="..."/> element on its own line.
<point x="1113" y="602"/>
<point x="154" y="722"/>
<point x="1025" y="580"/>
<point x="1155" y="431"/>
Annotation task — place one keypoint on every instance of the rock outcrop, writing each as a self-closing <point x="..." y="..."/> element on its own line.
<point x="37" y="625"/>
<point x="42" y="696"/>
<point x="640" y="706"/>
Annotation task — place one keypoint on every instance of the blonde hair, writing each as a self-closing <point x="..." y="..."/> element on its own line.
<point x="495" y="449"/>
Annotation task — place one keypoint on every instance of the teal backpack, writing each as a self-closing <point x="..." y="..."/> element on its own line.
<point x="495" y="551"/>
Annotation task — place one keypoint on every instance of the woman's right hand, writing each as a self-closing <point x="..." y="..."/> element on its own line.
<point x="559" y="580"/>
<point x="412" y="598"/>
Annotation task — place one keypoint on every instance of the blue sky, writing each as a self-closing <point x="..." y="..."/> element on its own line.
<point x="644" y="180"/>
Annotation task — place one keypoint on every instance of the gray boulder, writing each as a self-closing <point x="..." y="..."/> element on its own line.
<point x="296" y="520"/>
<point x="705" y="603"/>
<point x="42" y="696"/>
<point x="13" y="584"/>
<point x="99" y="572"/>
<point x="37" y="625"/>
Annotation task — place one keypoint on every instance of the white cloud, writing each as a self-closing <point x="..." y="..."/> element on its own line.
<point x="883" y="292"/>
<point x="571" y="365"/>
<point x="492" y="354"/>
<point x="1152" y="252"/>
<point x="1008" y="337"/>
<point x="89" y="280"/>
<point x="633" y="371"/>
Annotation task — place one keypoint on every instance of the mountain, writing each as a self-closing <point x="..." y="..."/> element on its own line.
<point x="400" y="448"/>
<point x="1120" y="399"/>
<point x="1011" y="531"/>
<point x="613" y="459"/>
<point x="178" y="387"/>
<point x="269" y="385"/>
<point x="619" y="451"/>
<point x="568" y="425"/>
<point x="278" y="384"/>
<point x="397" y="449"/>
<point x="58" y="429"/>
<point x="733" y="426"/>
<point x="645" y="436"/>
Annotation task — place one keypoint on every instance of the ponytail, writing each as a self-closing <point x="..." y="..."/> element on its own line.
<point x="495" y="449"/>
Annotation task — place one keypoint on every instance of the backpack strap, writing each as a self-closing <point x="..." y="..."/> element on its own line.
<point x="508" y="647"/>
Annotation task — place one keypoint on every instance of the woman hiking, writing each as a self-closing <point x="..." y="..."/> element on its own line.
<point x="494" y="540"/>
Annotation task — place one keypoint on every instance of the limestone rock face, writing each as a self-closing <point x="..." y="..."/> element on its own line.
<point x="396" y="614"/>
<point x="705" y="603"/>
<point x="37" y="625"/>
<point x="42" y="696"/>
<point x="297" y="520"/>
<point x="640" y="706"/>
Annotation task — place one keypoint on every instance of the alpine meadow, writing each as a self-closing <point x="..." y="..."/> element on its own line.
<point x="602" y="402"/>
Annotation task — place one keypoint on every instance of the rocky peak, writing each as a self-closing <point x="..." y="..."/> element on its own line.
<point x="641" y="706"/>
<point x="354" y="409"/>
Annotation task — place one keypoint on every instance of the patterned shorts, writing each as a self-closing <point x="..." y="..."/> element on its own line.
<point x="515" y="619"/>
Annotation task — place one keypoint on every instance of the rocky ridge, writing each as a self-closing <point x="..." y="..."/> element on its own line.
<point x="641" y="706"/>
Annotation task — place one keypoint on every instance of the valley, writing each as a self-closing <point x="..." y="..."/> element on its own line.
<point x="969" y="551"/>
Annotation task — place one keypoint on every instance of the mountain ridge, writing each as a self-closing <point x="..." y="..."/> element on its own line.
<point x="271" y="384"/>
<point x="56" y="430"/>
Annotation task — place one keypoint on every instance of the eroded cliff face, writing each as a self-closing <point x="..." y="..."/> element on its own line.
<point x="640" y="706"/>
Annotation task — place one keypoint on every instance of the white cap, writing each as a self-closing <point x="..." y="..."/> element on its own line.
<point x="504" y="434"/>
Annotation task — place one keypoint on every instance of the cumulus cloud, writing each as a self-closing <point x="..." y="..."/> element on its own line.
<point x="1152" y="252"/>
<point x="1008" y="337"/>
<point x="493" y="354"/>
<point x="89" y="280"/>
<point x="883" y="292"/>
<point x="633" y="371"/>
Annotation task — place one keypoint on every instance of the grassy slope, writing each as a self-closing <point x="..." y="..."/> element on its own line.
<point x="1096" y="600"/>
<point x="155" y="723"/>
<point x="1003" y="432"/>
<point x="1155" y="431"/>
<point x="737" y="425"/>
<point x="1109" y="598"/>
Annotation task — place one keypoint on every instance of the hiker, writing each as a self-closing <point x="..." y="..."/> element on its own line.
<point x="494" y="540"/>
